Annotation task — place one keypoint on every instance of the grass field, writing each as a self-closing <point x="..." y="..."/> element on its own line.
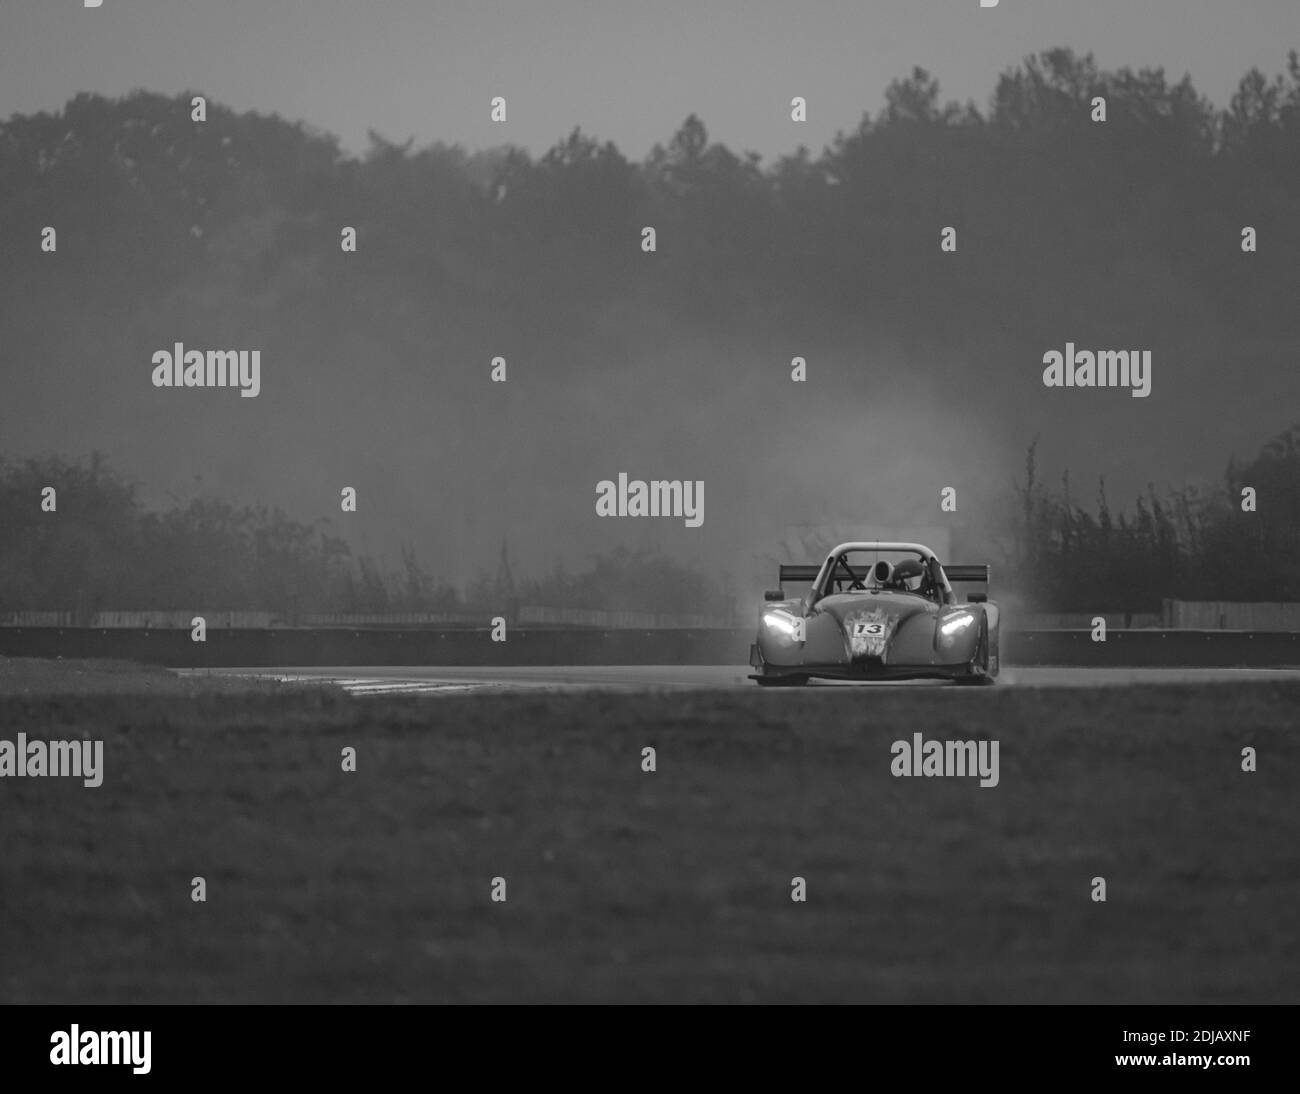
<point x="328" y="886"/>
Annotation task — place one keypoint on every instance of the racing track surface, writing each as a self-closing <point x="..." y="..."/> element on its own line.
<point x="449" y="681"/>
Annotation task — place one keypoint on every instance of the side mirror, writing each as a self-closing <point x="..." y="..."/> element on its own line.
<point x="774" y="594"/>
<point x="977" y="598"/>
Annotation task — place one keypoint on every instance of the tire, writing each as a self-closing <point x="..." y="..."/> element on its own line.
<point x="781" y="681"/>
<point x="980" y="677"/>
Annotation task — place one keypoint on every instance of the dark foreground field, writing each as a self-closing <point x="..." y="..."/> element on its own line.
<point x="374" y="886"/>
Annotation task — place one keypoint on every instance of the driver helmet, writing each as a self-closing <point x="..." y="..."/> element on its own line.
<point x="908" y="574"/>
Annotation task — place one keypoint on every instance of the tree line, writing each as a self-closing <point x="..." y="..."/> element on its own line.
<point x="1238" y="540"/>
<point x="94" y="546"/>
<point x="102" y="549"/>
<point x="1065" y="225"/>
<point x="241" y="216"/>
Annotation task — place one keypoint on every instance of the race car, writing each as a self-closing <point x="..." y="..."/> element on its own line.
<point x="877" y="611"/>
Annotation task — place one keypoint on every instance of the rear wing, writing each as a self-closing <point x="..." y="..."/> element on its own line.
<point x="798" y="573"/>
<point x="978" y="572"/>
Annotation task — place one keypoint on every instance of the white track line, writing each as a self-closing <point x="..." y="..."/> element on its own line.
<point x="374" y="685"/>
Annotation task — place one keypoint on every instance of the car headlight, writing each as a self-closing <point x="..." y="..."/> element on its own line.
<point x="956" y="625"/>
<point x="780" y="623"/>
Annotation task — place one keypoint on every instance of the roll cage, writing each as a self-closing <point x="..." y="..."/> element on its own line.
<point x="836" y="568"/>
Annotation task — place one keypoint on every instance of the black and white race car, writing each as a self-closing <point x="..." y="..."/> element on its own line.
<point x="877" y="611"/>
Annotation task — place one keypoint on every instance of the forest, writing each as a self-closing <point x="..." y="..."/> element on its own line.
<point x="234" y="224"/>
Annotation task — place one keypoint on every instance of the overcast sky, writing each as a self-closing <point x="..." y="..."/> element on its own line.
<point x="625" y="70"/>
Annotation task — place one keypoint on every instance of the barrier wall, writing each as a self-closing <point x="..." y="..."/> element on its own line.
<point x="1232" y="616"/>
<point x="1174" y="615"/>
<point x="531" y="615"/>
<point x="1082" y="621"/>
<point x="567" y="646"/>
<point x="334" y="646"/>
